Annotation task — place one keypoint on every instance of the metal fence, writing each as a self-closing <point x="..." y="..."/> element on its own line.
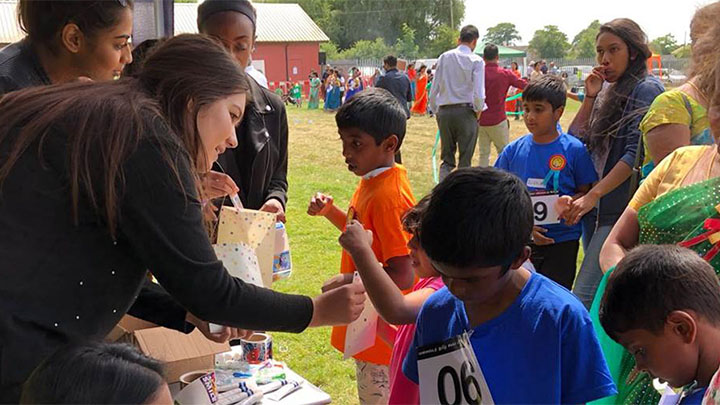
<point x="367" y="66"/>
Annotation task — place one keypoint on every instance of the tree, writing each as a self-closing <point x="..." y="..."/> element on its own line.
<point x="405" y="45"/>
<point x="445" y="38"/>
<point x="502" y="34"/>
<point x="583" y="45"/>
<point x="550" y="42"/>
<point x="684" y="51"/>
<point x="348" y="21"/>
<point x="365" y="49"/>
<point x="331" y="50"/>
<point x="664" y="45"/>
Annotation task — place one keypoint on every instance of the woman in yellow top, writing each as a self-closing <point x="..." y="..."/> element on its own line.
<point x="678" y="203"/>
<point x="678" y="117"/>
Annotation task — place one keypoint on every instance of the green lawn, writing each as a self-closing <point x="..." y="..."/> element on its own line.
<point x="316" y="164"/>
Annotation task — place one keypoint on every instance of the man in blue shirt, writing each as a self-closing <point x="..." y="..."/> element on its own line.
<point x="530" y="340"/>
<point x="552" y="164"/>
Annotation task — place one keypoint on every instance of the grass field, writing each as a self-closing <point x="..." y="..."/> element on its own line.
<point x="316" y="164"/>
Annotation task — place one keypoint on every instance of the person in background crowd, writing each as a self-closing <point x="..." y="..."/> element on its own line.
<point x="564" y="77"/>
<point x="544" y="67"/>
<point x="90" y="246"/>
<point x="398" y="84"/>
<point x="315" y="85"/>
<point x="494" y="127"/>
<point x="97" y="373"/>
<point x="530" y="68"/>
<point x="375" y="77"/>
<point x="354" y="84"/>
<point x="421" y="94"/>
<point x="458" y="97"/>
<point x="678" y="117"/>
<point x="258" y="166"/>
<point x="608" y="123"/>
<point x="514" y="106"/>
<point x="332" y="86"/>
<point x="323" y="79"/>
<point x="536" y="72"/>
<point x="412" y="74"/>
<point x="553" y="70"/>
<point x="342" y="81"/>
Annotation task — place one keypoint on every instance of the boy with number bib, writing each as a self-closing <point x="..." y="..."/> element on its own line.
<point x="552" y="164"/>
<point x="372" y="127"/>
<point x="497" y="333"/>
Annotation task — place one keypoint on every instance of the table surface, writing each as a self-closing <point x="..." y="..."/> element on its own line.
<point x="308" y="394"/>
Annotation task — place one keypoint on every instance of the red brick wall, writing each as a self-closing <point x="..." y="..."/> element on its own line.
<point x="301" y="59"/>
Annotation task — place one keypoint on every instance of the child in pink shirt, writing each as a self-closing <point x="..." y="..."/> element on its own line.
<point x="394" y="307"/>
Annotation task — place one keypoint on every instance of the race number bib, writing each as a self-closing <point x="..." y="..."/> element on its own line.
<point x="450" y="374"/>
<point x="543" y="204"/>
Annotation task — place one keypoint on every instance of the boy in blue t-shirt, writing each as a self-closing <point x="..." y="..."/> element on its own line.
<point x="497" y="331"/>
<point x="552" y="164"/>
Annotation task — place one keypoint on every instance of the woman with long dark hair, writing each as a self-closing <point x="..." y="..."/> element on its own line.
<point x="617" y="94"/>
<point x="99" y="182"/>
<point x="66" y="40"/>
<point x="71" y="39"/>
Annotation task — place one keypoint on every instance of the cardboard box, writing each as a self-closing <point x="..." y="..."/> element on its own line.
<point x="180" y="352"/>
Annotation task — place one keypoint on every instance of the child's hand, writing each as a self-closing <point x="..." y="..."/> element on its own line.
<point x="539" y="238"/>
<point x="580" y="207"/>
<point x="320" y="204"/>
<point x="562" y="206"/>
<point x="336" y="281"/>
<point x="355" y="238"/>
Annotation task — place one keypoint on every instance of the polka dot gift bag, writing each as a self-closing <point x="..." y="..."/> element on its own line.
<point x="253" y="229"/>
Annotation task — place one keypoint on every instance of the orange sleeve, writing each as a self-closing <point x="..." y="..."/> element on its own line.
<point x="389" y="238"/>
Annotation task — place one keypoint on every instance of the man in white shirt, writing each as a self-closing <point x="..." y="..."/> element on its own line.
<point x="457" y="96"/>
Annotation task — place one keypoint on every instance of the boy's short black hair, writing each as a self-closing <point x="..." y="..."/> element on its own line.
<point x="654" y="280"/>
<point x="374" y="111"/>
<point x="477" y="217"/>
<point x="469" y="33"/>
<point x="390" y="60"/>
<point x="548" y="88"/>
<point x="490" y="52"/>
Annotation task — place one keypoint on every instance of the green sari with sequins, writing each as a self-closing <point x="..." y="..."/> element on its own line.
<point x="684" y="216"/>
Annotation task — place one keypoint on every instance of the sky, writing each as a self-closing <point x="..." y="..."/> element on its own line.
<point x="656" y="17"/>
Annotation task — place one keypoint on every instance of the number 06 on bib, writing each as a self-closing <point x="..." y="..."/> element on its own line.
<point x="450" y="374"/>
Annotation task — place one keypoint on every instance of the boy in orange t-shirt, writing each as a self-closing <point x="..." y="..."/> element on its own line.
<point x="372" y="126"/>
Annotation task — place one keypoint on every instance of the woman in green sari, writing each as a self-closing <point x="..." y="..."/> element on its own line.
<point x="679" y="203"/>
<point x="315" y="84"/>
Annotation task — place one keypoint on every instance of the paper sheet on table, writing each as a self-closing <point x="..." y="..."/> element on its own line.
<point x="253" y="228"/>
<point x="362" y="332"/>
<point x="240" y="261"/>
